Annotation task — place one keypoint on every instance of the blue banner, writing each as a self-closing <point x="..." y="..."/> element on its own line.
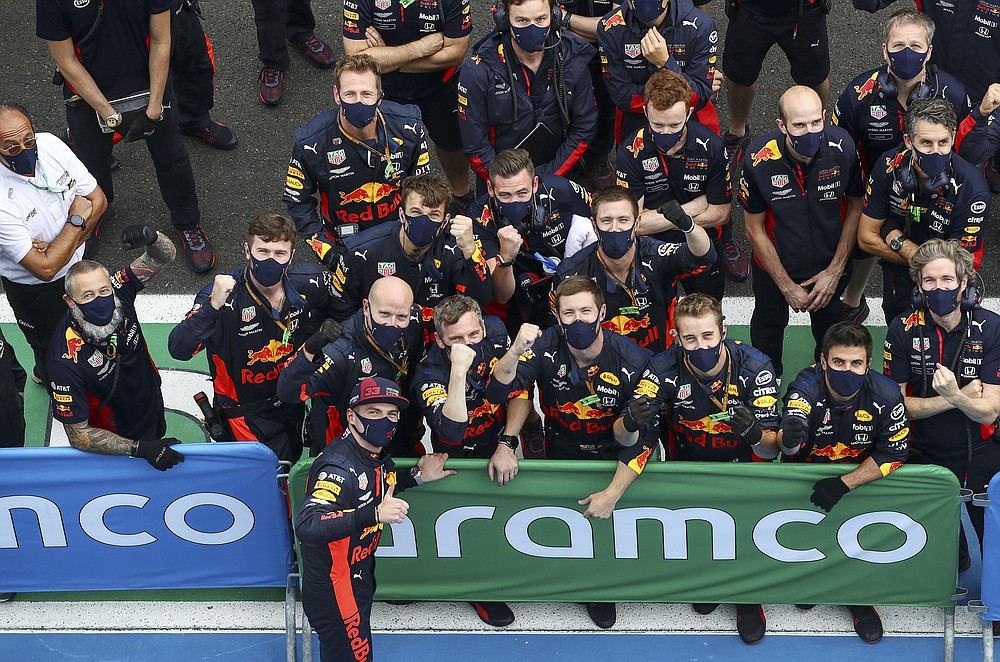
<point x="77" y="521"/>
<point x="991" y="553"/>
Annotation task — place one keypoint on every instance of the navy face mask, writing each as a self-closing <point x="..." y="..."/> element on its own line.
<point x="514" y="212"/>
<point x="932" y="164"/>
<point x="807" y="144"/>
<point x="359" y="114"/>
<point x="647" y="11"/>
<point x="615" y="244"/>
<point x="530" y="37"/>
<point x="907" y="63"/>
<point x="268" y="272"/>
<point x="421" y="229"/>
<point x="845" y="382"/>
<point x="377" y="431"/>
<point x="580" y="334"/>
<point x="704" y="358"/>
<point x="942" y="302"/>
<point x="665" y="141"/>
<point x="385" y="336"/>
<point x="22" y="163"/>
<point x="99" y="310"/>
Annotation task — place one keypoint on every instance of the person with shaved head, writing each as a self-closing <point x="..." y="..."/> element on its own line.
<point x="794" y="185"/>
<point x="382" y="339"/>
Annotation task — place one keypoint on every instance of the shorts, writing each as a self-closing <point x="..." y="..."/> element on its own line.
<point x="439" y="112"/>
<point x="750" y="37"/>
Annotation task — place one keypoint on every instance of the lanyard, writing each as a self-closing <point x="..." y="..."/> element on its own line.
<point x="401" y="368"/>
<point x="285" y="325"/>
<point x="723" y="406"/>
<point x="390" y="172"/>
<point x="633" y="276"/>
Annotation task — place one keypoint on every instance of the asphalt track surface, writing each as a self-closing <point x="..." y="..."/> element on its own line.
<point x="235" y="186"/>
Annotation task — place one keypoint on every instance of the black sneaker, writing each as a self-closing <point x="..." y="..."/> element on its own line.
<point x="497" y="614"/>
<point x="7" y="597"/>
<point x="214" y="134"/>
<point x="735" y="261"/>
<point x="858" y="314"/>
<point x="197" y="249"/>
<point x="272" y="86"/>
<point x="867" y="623"/>
<point x="705" y="608"/>
<point x="735" y="146"/>
<point x="601" y="175"/>
<point x="603" y="614"/>
<point x="750" y="623"/>
<point x="318" y="51"/>
<point x="533" y="441"/>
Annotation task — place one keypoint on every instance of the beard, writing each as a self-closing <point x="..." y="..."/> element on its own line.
<point x="93" y="332"/>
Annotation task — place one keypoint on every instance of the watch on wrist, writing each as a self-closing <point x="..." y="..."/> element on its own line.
<point x="77" y="221"/>
<point x="897" y="243"/>
<point x="508" y="440"/>
<point x="113" y="120"/>
<point x="505" y="263"/>
<point x="564" y="24"/>
<point x="415" y="473"/>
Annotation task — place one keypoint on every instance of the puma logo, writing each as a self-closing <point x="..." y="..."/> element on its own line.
<point x="743" y="379"/>
<point x="362" y="254"/>
<point x="838" y="145"/>
<point x="550" y="356"/>
<point x="410" y="127"/>
<point x="672" y="382"/>
<point x="978" y="325"/>
<point x="229" y="305"/>
<point x="703" y="143"/>
<point x="314" y="281"/>
<point x="310" y="148"/>
<point x="955" y="185"/>
<point x="450" y="248"/>
<point x="628" y="373"/>
<point x="878" y="406"/>
<point x="693" y="24"/>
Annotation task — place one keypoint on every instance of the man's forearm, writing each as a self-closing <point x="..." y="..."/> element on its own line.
<point x="584" y="27"/>
<point x="980" y="410"/>
<point x="449" y="56"/>
<point x="917" y="408"/>
<point x="764" y="251"/>
<point x="506" y="368"/>
<point x="866" y="472"/>
<point x="96" y="440"/>
<point x="622" y="436"/>
<point x="517" y="413"/>
<point x="454" y="408"/>
<point x="78" y="77"/>
<point x="502" y="281"/>
<point x="157" y="256"/>
<point x="159" y="59"/>
<point x="391" y="58"/>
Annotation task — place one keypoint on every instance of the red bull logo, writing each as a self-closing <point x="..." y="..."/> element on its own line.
<point x="837" y="452"/>
<point x="637" y="145"/>
<point x="768" y="152"/>
<point x="626" y="325"/>
<point x="614" y="19"/>
<point x="73" y="344"/>
<point x="485" y="409"/>
<point x="916" y="318"/>
<point x="867" y="87"/>
<point x="707" y="425"/>
<point x="426" y="314"/>
<point x="581" y="411"/>
<point x="639" y="463"/>
<point x="893" y="162"/>
<point x="370" y="192"/>
<point x="272" y="352"/>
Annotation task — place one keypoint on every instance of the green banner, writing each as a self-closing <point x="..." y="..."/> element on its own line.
<point x="684" y="532"/>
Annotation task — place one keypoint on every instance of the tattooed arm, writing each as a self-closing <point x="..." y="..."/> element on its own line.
<point x="158" y="255"/>
<point x="96" y="440"/>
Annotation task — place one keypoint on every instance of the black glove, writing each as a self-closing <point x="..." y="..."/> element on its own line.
<point x="638" y="413"/>
<point x="138" y="235"/>
<point x="327" y="333"/>
<point x="140" y="128"/>
<point x="793" y="432"/>
<point x="157" y="452"/>
<point x="827" y="492"/>
<point x="744" y="424"/>
<point x="673" y="212"/>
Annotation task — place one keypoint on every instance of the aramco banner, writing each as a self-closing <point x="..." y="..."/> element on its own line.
<point x="71" y="520"/>
<point x="684" y="532"/>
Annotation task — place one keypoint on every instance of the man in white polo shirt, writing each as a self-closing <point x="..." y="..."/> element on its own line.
<point x="47" y="201"/>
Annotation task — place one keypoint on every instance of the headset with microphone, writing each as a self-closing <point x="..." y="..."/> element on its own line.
<point x="887" y="85"/>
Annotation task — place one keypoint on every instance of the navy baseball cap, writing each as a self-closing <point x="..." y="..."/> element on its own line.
<point x="377" y="389"/>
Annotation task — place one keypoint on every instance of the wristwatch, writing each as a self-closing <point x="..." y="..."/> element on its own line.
<point x="77" y="221"/>
<point x="505" y="263"/>
<point x="564" y="24"/>
<point x="113" y="120"/>
<point x="897" y="243"/>
<point x="415" y="473"/>
<point x="508" y="440"/>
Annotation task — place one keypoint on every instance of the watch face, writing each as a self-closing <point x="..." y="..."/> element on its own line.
<point x="112" y="121"/>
